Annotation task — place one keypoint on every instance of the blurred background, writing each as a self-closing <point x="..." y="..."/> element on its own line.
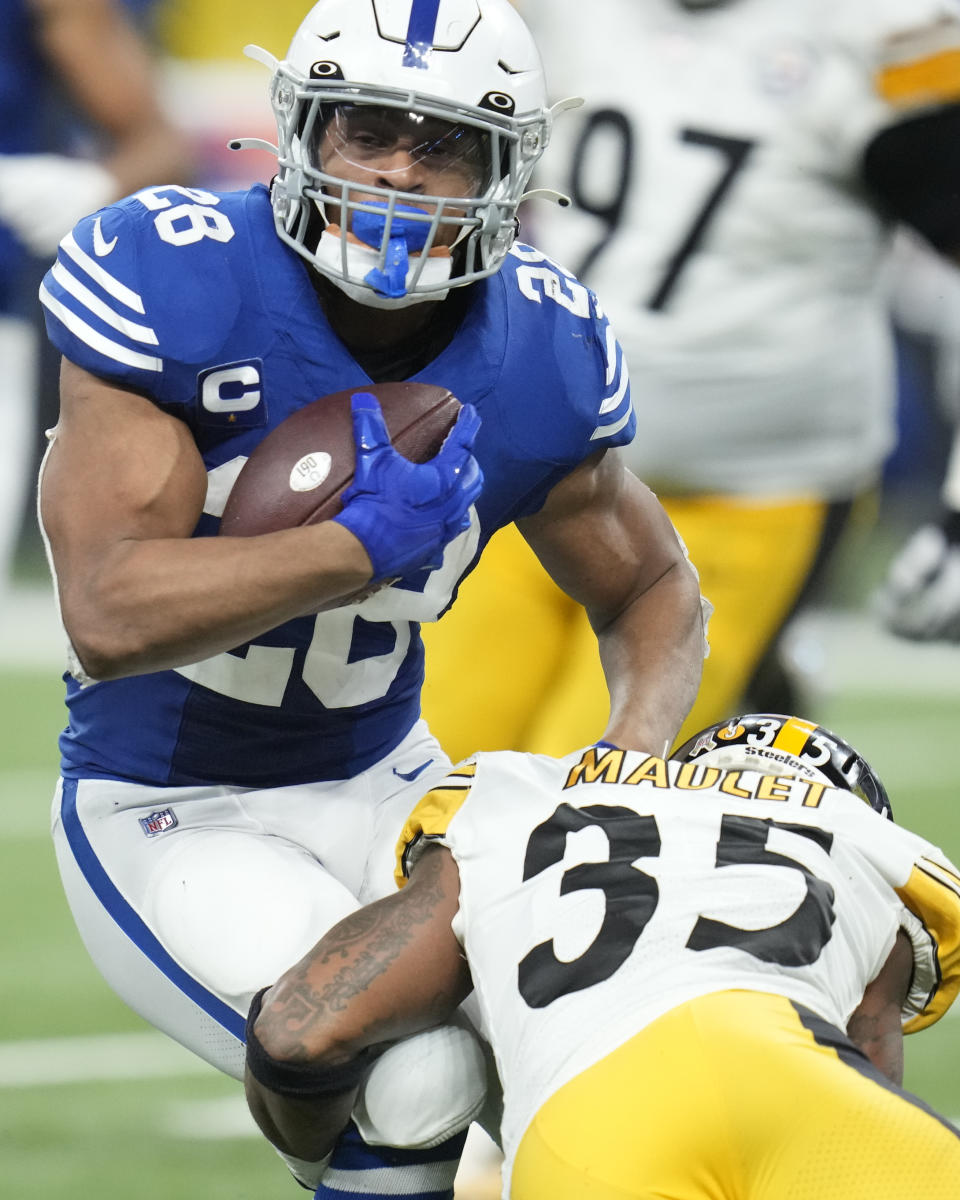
<point x="95" y="1103"/>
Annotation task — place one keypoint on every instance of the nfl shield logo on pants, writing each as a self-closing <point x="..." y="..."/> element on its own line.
<point x="158" y="822"/>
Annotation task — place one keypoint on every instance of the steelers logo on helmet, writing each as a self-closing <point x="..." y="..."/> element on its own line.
<point x="775" y="743"/>
<point x="401" y="163"/>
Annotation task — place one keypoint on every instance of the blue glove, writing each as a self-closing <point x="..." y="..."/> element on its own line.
<point x="405" y="513"/>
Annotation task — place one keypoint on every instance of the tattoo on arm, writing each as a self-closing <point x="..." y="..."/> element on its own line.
<point x="348" y="960"/>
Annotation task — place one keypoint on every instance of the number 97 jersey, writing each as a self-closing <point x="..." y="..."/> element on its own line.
<point x="601" y="890"/>
<point x="719" y="209"/>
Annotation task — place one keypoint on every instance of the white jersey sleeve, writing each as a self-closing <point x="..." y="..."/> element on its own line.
<point x="903" y="57"/>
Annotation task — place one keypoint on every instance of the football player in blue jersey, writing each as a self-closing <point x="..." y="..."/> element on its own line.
<point x="242" y="748"/>
<point x="89" y="54"/>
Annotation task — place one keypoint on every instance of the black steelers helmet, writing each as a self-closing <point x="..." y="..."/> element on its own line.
<point x="774" y="743"/>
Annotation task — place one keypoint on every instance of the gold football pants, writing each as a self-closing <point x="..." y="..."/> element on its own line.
<point x="736" y="1096"/>
<point x="513" y="665"/>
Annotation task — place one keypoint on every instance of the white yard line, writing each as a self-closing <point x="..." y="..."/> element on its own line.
<point x="102" y="1058"/>
<point x="45" y="1062"/>
<point x="119" y="1057"/>
<point x="30" y="631"/>
<point x="210" y="1120"/>
<point x="835" y="649"/>
<point x="846" y="652"/>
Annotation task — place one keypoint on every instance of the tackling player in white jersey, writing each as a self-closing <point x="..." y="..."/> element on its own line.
<point x="695" y="974"/>
<point x="736" y="175"/>
<point x="920" y="596"/>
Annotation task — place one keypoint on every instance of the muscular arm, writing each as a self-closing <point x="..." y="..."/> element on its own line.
<point x="875" y="1025"/>
<point x="122" y="490"/>
<point x="604" y="538"/>
<point x="97" y="55"/>
<point x="389" y="970"/>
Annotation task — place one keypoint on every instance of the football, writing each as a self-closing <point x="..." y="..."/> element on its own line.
<point x="298" y="473"/>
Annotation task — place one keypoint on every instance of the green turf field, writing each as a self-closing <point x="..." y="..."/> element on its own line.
<point x="134" y="1116"/>
<point x="179" y="1131"/>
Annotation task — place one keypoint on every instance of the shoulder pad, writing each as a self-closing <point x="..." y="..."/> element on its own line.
<point x="931" y="896"/>
<point x="919" y="56"/>
<point x="431" y="818"/>
<point x="577" y="350"/>
<point x="152" y="280"/>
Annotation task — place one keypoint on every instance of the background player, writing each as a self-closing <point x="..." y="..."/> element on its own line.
<point x="693" y="972"/>
<point x="236" y="767"/>
<point x="737" y="174"/>
<point x="88" y="53"/>
<point x="920" y="597"/>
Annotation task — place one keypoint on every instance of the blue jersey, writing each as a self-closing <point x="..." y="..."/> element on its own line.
<point x="32" y="121"/>
<point x="21" y="121"/>
<point x="190" y="298"/>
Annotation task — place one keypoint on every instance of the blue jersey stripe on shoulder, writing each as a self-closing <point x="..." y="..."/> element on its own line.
<point x="96" y="307"/>
<point x="612" y="349"/>
<point x="617" y="406"/>
<point x="613" y="401"/>
<point x="609" y="431"/>
<point x="81" y="293"/>
<point x="96" y="341"/>
<point x="111" y="285"/>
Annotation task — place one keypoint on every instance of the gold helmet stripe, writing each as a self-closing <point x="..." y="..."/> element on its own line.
<point x="793" y="735"/>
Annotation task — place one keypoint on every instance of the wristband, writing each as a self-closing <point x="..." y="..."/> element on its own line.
<point x="302" y="1080"/>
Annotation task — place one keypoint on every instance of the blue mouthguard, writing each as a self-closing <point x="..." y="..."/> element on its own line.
<point x="404" y="237"/>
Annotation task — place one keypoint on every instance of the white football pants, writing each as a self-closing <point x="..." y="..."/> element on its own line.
<point x="191" y="899"/>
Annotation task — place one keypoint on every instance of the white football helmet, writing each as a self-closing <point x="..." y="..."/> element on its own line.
<point x="460" y="80"/>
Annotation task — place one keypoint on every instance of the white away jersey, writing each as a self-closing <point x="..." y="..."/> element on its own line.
<point x="720" y="213"/>
<point x="600" y="890"/>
